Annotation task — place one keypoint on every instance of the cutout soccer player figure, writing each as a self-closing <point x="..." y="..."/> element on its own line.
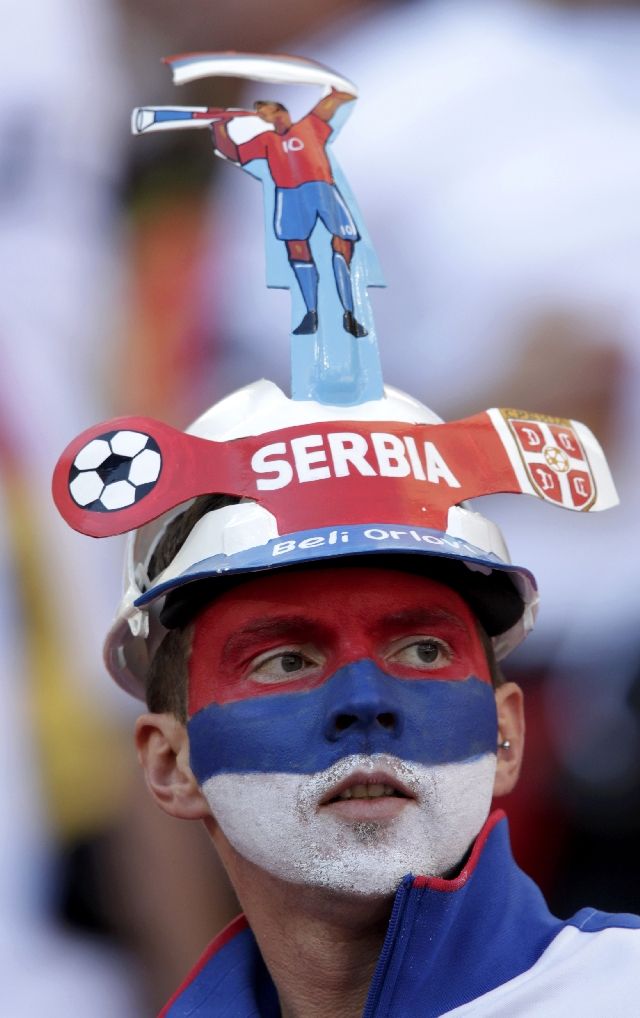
<point x="318" y="246"/>
<point x="306" y="192"/>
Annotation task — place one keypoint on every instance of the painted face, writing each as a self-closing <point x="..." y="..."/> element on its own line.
<point x="343" y="725"/>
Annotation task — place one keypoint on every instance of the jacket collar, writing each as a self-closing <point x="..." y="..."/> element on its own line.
<point x="450" y="941"/>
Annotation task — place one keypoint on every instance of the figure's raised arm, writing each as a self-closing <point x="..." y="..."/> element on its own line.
<point x="223" y="143"/>
<point x="326" y="108"/>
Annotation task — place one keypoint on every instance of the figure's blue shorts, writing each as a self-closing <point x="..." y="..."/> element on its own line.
<point x="297" y="210"/>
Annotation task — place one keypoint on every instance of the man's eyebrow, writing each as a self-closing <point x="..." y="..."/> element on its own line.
<point x="420" y="617"/>
<point x="286" y="627"/>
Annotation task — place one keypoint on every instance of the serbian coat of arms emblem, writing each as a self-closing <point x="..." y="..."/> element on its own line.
<point x="554" y="458"/>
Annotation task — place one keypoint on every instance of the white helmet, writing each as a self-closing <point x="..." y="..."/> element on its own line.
<point x="313" y="482"/>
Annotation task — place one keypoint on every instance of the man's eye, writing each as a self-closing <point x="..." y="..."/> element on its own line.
<point x="428" y="652"/>
<point x="280" y="666"/>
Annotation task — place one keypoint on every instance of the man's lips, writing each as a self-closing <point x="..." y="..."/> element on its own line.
<point x="377" y="795"/>
<point x="366" y="784"/>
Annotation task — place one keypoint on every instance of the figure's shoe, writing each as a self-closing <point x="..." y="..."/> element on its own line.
<point x="352" y="325"/>
<point x="308" y="325"/>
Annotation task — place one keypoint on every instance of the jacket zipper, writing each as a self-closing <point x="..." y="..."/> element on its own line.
<point x="387" y="948"/>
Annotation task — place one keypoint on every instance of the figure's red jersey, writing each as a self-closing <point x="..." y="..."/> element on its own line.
<point x="296" y="157"/>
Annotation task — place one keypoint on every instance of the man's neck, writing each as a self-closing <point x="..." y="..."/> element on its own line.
<point x="320" y="948"/>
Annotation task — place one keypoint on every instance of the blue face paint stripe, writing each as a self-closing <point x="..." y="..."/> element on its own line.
<point x="427" y="721"/>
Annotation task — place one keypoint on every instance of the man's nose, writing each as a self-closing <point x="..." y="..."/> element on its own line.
<point x="362" y="701"/>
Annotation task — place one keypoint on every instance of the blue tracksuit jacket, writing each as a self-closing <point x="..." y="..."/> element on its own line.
<point x="483" y="945"/>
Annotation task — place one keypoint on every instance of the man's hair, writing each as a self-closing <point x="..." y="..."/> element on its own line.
<point x="259" y="103"/>
<point x="168" y="676"/>
<point x="167" y="679"/>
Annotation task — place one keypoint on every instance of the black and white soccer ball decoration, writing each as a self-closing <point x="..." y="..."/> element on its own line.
<point x="114" y="470"/>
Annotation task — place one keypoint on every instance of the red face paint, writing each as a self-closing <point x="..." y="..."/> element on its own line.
<point x="292" y="630"/>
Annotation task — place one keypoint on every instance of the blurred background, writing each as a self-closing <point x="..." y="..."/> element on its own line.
<point x="495" y="154"/>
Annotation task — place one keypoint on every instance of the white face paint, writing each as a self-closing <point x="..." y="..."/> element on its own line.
<point x="277" y="822"/>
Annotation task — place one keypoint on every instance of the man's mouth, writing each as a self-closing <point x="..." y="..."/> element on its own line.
<point x="369" y="794"/>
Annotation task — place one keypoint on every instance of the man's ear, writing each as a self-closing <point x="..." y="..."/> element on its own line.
<point x="510" y="707"/>
<point x="163" y="751"/>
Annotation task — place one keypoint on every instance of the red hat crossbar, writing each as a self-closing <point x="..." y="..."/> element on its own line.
<point x="119" y="475"/>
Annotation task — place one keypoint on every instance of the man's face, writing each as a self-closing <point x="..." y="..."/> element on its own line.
<point x="343" y="725"/>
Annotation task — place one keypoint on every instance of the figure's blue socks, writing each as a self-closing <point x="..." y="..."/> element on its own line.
<point x="343" y="281"/>
<point x="307" y="275"/>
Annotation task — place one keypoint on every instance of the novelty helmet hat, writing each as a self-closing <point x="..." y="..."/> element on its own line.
<point x="316" y="482"/>
<point x="346" y="469"/>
